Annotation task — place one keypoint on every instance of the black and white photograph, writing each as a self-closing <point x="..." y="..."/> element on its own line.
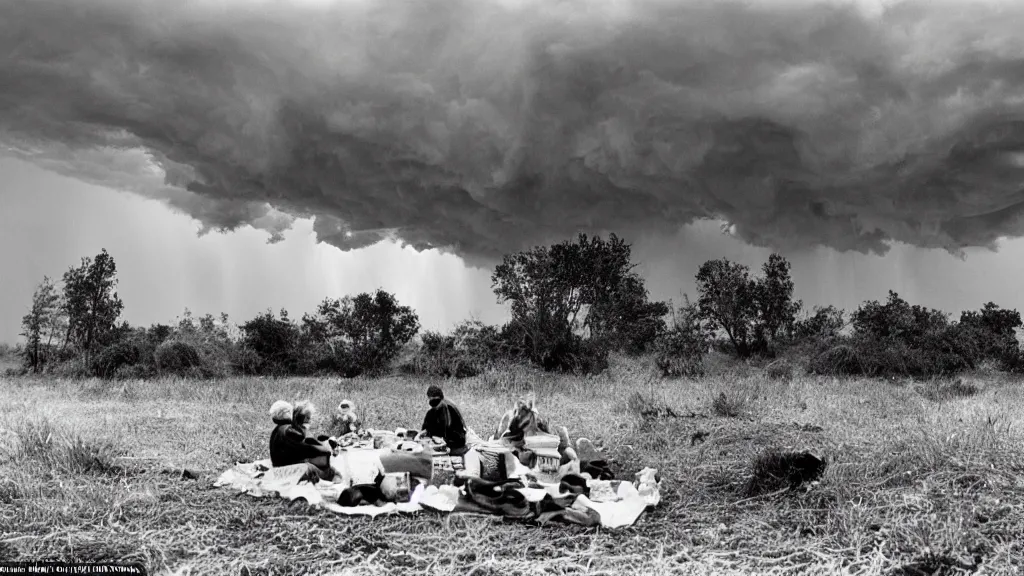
<point x="512" y="287"/>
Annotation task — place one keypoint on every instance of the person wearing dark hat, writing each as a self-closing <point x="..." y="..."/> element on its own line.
<point x="444" y="420"/>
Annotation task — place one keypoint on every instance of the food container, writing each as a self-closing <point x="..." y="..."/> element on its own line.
<point x="444" y="469"/>
<point x="383" y="438"/>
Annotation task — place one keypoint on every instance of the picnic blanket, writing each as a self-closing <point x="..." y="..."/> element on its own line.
<point x="611" y="504"/>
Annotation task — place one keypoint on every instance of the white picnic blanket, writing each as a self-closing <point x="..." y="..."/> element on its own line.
<point x="259" y="479"/>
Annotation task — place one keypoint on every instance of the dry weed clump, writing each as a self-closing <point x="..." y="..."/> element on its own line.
<point x="43" y="444"/>
<point x="9" y="490"/>
<point x="732" y="405"/>
<point x="649" y="407"/>
<point x="944" y="391"/>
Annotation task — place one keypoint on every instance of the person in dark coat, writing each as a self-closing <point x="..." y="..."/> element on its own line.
<point x="444" y="420"/>
<point x="291" y="442"/>
<point x="281" y="414"/>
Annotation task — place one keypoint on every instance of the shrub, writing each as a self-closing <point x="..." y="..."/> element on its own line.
<point x="780" y="370"/>
<point x="676" y="356"/>
<point x="177" y="358"/>
<point x="438" y="355"/>
<point x="133" y="372"/>
<point x="113" y="357"/>
<point x="681" y="350"/>
<point x="836" y="359"/>
<point x="313" y="358"/>
<point x="822" y="324"/>
<point x="897" y="339"/>
<point x="577" y="356"/>
<point x="244" y="360"/>
<point x="275" y="341"/>
<point x="942" y="353"/>
<point x="72" y="368"/>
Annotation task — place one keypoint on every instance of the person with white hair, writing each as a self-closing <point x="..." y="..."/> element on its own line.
<point x="281" y="414"/>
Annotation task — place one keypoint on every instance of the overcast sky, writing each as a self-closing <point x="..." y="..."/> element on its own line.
<point x="866" y="141"/>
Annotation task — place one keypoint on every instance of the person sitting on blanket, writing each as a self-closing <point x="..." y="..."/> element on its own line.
<point x="444" y="420"/>
<point x="346" y="421"/>
<point x="525" y="420"/>
<point x="291" y="442"/>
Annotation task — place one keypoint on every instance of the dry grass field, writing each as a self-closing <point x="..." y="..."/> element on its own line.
<point x="923" y="478"/>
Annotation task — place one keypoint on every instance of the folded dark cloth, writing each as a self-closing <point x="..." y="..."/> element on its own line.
<point x="494" y="498"/>
<point x="574" y="484"/>
<point x="586" y="517"/>
<point x="598" y="469"/>
<point x="550" y="509"/>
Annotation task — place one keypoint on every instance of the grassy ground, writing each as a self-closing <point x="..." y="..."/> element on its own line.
<point x="928" y="473"/>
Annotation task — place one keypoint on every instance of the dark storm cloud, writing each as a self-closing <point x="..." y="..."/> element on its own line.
<point x="485" y="127"/>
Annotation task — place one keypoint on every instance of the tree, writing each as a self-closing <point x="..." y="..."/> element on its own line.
<point x="42" y="324"/>
<point x="756" y="314"/>
<point x="823" y="323"/>
<point x="897" y="320"/>
<point x="774" y="306"/>
<point x="90" y="302"/>
<point x="994" y="319"/>
<point x="274" y="340"/>
<point x="378" y="329"/>
<point x="362" y="333"/>
<point x="561" y="293"/>
<point x="626" y="319"/>
<point x="726" y="301"/>
<point x="994" y="329"/>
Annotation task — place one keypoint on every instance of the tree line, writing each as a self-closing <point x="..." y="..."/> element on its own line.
<point x="571" y="304"/>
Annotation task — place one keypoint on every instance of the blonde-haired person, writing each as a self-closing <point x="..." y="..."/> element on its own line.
<point x="291" y="442"/>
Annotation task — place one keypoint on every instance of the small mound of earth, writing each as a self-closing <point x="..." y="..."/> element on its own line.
<point x="774" y="470"/>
